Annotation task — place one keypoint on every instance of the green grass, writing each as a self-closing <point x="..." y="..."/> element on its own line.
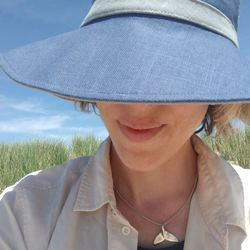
<point x="21" y="158"/>
<point x="235" y="149"/>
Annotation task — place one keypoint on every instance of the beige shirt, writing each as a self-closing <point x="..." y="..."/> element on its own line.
<point x="72" y="206"/>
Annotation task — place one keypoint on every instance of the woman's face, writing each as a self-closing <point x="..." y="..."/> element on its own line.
<point x="145" y="136"/>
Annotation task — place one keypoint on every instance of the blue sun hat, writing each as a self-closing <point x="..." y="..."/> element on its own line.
<point x="141" y="51"/>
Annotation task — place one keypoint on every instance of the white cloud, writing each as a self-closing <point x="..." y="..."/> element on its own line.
<point x="33" y="125"/>
<point x="40" y="126"/>
<point x="28" y="106"/>
<point x="31" y="105"/>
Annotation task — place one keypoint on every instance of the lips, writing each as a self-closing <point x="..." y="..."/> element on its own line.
<point x="140" y="132"/>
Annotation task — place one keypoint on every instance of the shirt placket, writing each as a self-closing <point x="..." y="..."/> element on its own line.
<point x="121" y="235"/>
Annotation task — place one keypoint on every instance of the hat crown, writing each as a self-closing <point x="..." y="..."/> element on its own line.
<point x="220" y="16"/>
<point x="231" y="8"/>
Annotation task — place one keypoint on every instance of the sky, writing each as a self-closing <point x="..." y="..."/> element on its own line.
<point x="27" y="114"/>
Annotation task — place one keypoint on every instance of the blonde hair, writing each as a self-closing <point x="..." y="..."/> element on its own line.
<point x="219" y="116"/>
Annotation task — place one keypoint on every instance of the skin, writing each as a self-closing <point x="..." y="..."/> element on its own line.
<point x="162" y="167"/>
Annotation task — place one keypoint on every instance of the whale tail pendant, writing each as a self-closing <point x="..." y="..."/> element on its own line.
<point x="165" y="235"/>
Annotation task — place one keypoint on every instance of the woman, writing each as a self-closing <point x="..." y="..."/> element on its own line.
<point x="156" y="70"/>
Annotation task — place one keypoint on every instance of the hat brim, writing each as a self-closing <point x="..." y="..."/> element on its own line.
<point x="134" y="58"/>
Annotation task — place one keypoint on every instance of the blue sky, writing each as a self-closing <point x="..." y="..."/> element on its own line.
<point x="27" y="113"/>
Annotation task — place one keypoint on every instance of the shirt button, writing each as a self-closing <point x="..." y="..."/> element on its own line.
<point x="125" y="230"/>
<point x="113" y="212"/>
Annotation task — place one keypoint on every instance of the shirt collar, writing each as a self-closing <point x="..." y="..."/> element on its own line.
<point x="96" y="187"/>
<point x="221" y="201"/>
<point x="219" y="191"/>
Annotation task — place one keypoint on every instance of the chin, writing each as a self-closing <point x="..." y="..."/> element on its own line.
<point x="140" y="161"/>
<point x="141" y="158"/>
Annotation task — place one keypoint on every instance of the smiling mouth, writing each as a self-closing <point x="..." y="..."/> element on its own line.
<point x="140" y="132"/>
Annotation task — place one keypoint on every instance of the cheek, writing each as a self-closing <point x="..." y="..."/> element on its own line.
<point x="108" y="116"/>
<point x="187" y="119"/>
<point x="105" y="113"/>
<point x="192" y="119"/>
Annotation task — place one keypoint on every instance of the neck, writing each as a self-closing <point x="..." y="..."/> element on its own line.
<point x="171" y="181"/>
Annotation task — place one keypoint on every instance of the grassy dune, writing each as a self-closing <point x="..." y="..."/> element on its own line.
<point x="21" y="158"/>
<point x="236" y="149"/>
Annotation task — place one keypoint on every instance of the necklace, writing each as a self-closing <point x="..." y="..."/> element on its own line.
<point x="164" y="234"/>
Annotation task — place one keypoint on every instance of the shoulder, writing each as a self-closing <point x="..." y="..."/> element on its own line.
<point x="238" y="181"/>
<point x="57" y="177"/>
<point x="29" y="209"/>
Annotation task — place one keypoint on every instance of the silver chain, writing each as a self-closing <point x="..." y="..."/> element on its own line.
<point x="168" y="220"/>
